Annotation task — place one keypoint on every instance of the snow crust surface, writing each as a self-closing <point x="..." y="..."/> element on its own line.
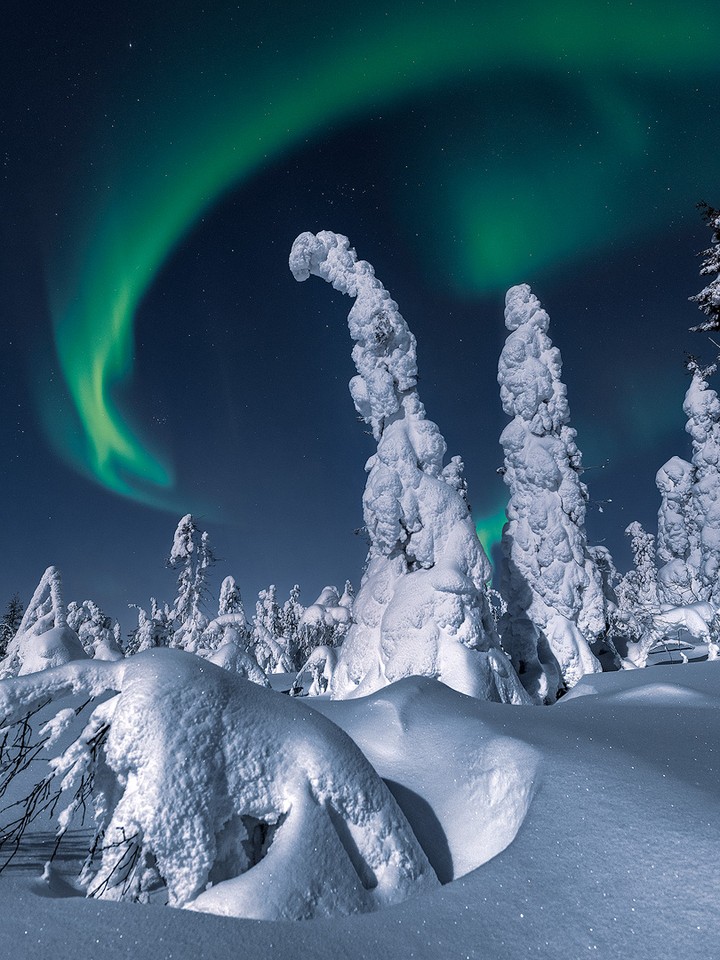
<point x="616" y="854"/>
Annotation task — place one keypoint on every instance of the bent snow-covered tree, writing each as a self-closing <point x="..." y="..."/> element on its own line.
<point x="237" y="800"/>
<point x="44" y="638"/>
<point x="550" y="581"/>
<point x="421" y="607"/>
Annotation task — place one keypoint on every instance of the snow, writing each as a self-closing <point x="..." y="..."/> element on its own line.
<point x="602" y="811"/>
<point x="550" y="582"/>
<point x="422" y="606"/>
<point x="202" y="775"/>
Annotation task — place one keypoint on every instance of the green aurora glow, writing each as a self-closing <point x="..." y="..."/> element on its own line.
<point x="179" y="144"/>
<point x="489" y="529"/>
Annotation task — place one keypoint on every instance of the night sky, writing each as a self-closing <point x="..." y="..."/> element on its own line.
<point x="156" y="163"/>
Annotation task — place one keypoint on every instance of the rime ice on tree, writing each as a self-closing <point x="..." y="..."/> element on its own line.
<point x="678" y="538"/>
<point x="192" y="555"/>
<point x="550" y="582"/>
<point x="421" y="607"/>
<point x="44" y="638"/>
<point x="702" y="408"/>
<point x="708" y="300"/>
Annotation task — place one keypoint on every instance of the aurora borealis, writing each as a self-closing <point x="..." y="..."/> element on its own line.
<point x="162" y="161"/>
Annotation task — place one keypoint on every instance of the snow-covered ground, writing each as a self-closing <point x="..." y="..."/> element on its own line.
<point x="589" y="828"/>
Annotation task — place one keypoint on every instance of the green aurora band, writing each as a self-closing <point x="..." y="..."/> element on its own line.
<point x="180" y="143"/>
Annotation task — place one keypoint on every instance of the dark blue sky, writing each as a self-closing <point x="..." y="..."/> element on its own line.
<point x="462" y="149"/>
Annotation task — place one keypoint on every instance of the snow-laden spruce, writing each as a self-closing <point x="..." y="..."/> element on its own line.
<point x="550" y="582"/>
<point x="192" y="555"/>
<point x="237" y="800"/>
<point x="421" y="608"/>
<point x="99" y="636"/>
<point x="44" y="638"/>
<point x="702" y="408"/>
<point x="708" y="300"/>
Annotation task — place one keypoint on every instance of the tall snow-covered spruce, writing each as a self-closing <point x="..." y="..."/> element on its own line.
<point x="192" y="555"/>
<point x="702" y="408"/>
<point x="708" y="300"/>
<point x="421" y="608"/>
<point x="550" y="581"/>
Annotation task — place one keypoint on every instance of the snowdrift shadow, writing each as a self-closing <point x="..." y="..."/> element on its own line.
<point x="426" y="827"/>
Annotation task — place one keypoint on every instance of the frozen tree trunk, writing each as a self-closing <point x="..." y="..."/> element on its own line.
<point x="550" y="582"/>
<point x="421" y="608"/>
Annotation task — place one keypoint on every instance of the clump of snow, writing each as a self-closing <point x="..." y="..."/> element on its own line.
<point x="239" y="800"/>
<point x="230" y="656"/>
<point x="422" y="606"/>
<point x="550" y="582"/>
<point x="96" y="632"/>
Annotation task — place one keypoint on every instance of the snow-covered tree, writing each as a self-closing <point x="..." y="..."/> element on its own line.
<point x="96" y="631"/>
<point x="708" y="300"/>
<point x="291" y="615"/>
<point x="637" y="594"/>
<point x="268" y="615"/>
<point x="678" y="539"/>
<point x="324" y="623"/>
<point x="43" y="638"/>
<point x="702" y="408"/>
<point x="10" y="622"/>
<point x="550" y="582"/>
<point x="230" y="625"/>
<point x="348" y="597"/>
<point x="153" y="629"/>
<point x="192" y="555"/>
<point x="421" y="607"/>
<point x="230" y="600"/>
<point x="235" y="799"/>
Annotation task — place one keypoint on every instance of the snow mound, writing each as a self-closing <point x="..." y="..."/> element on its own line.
<point x="492" y="776"/>
<point x="239" y="800"/>
<point x="231" y="657"/>
<point x="55" y="647"/>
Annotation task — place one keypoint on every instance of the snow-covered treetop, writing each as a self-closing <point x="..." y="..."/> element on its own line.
<point x="385" y="350"/>
<point x="708" y="300"/>
<point x="230" y="600"/>
<point x="701" y="406"/>
<point x="403" y="511"/>
<point x="530" y="366"/>
<point x="46" y="609"/>
<point x="184" y="540"/>
<point x="674" y="480"/>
